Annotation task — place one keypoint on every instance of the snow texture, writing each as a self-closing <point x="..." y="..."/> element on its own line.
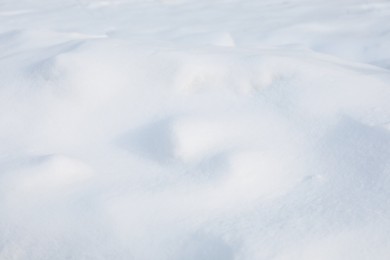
<point x="195" y="129"/>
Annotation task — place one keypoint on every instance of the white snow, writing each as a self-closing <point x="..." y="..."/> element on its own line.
<point x="195" y="129"/>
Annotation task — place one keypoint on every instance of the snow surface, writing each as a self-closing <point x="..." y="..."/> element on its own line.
<point x="195" y="129"/>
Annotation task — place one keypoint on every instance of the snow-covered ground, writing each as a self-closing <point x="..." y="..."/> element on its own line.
<point x="195" y="129"/>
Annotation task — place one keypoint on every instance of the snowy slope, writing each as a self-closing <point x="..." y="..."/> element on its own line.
<point x="195" y="129"/>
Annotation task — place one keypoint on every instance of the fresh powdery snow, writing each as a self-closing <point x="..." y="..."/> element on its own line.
<point x="195" y="129"/>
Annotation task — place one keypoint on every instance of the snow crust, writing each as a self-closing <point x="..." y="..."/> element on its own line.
<point x="195" y="129"/>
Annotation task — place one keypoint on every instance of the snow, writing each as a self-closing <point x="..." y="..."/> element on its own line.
<point x="195" y="129"/>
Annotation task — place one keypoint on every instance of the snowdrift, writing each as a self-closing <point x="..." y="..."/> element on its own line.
<point x="190" y="129"/>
